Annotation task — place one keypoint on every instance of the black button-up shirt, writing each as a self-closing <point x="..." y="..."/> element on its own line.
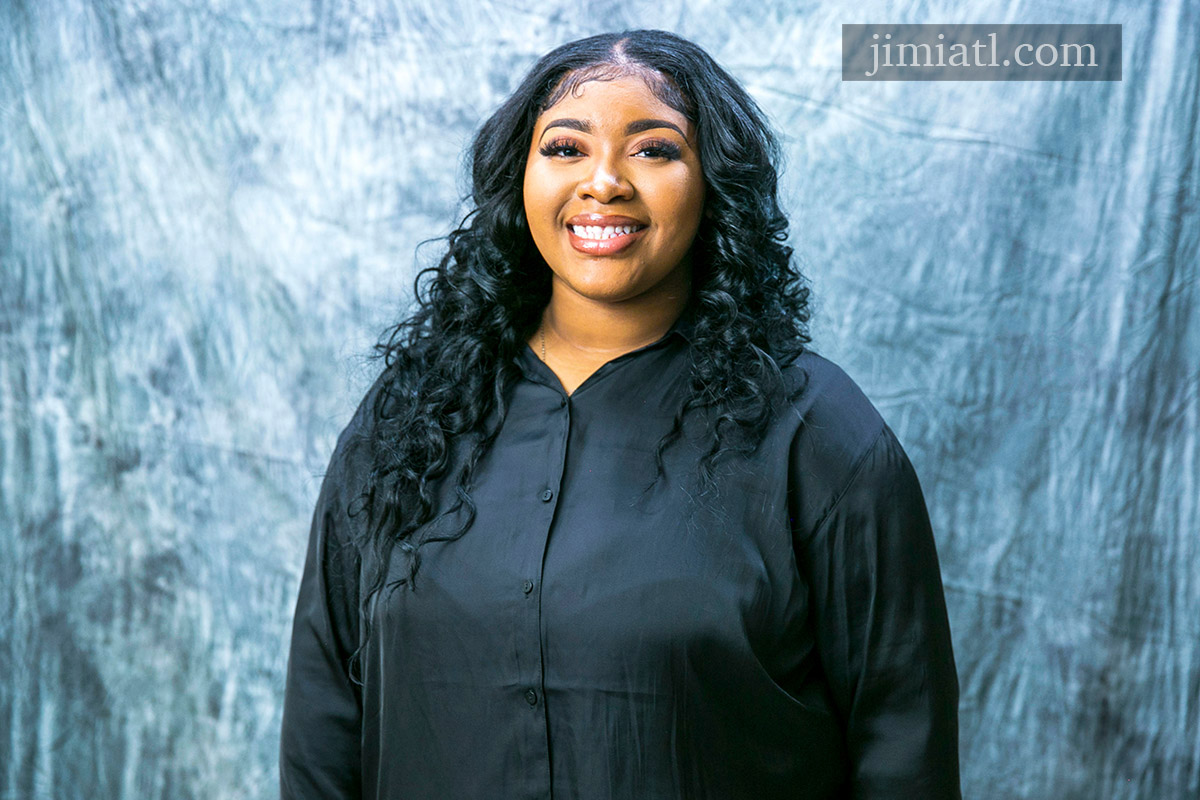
<point x="785" y="638"/>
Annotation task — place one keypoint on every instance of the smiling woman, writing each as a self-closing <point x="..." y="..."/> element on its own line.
<point x="665" y="549"/>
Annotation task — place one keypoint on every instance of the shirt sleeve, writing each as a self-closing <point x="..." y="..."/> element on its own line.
<point x="882" y="631"/>
<point x="322" y="710"/>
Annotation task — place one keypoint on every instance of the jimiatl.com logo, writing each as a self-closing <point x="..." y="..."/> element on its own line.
<point x="981" y="52"/>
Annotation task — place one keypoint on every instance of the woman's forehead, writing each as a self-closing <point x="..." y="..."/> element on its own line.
<point x="626" y="104"/>
<point x="574" y="84"/>
<point x="603" y="92"/>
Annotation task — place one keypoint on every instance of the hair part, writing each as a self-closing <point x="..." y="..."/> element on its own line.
<point x="620" y="65"/>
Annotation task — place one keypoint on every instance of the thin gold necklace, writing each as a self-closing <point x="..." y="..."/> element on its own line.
<point x="542" y="329"/>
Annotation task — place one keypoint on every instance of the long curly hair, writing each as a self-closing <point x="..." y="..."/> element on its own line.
<point x="449" y="367"/>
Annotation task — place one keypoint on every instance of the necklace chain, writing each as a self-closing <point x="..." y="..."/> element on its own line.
<point x="542" y="328"/>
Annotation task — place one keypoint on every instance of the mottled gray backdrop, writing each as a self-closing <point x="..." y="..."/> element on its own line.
<point x="210" y="209"/>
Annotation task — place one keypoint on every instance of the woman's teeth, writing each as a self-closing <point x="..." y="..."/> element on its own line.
<point x="606" y="232"/>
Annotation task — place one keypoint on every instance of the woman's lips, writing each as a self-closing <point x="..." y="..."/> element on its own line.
<point x="603" y="247"/>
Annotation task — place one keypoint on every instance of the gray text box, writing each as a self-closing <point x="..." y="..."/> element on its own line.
<point x="979" y="52"/>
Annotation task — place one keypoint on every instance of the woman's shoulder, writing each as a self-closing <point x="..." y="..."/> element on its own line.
<point x="838" y="427"/>
<point x="353" y="452"/>
<point x="829" y="401"/>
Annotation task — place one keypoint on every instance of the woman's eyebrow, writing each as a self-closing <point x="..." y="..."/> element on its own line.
<point x="637" y="126"/>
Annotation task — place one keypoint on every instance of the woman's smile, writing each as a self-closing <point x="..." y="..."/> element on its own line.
<point x="600" y="235"/>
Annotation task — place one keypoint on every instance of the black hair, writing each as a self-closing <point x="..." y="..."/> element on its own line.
<point x="449" y="367"/>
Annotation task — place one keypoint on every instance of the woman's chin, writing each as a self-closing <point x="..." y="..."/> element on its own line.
<point x="603" y="289"/>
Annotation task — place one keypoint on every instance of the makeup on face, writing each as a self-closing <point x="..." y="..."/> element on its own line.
<point x="613" y="190"/>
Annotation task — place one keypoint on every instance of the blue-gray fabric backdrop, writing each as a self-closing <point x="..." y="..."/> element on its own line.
<point x="209" y="210"/>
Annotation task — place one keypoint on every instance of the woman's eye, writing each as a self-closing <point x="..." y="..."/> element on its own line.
<point x="668" y="150"/>
<point x="560" y="148"/>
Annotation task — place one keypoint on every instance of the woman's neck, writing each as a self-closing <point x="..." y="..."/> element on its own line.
<point x="579" y="327"/>
<point x="578" y="335"/>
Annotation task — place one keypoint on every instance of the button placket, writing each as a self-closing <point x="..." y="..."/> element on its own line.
<point x="554" y="433"/>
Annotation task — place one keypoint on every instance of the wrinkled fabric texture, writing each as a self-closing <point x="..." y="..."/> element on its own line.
<point x="209" y="210"/>
<point x="782" y="636"/>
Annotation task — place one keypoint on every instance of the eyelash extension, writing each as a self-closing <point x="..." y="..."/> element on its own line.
<point x="658" y="148"/>
<point x="555" y="147"/>
<point x="661" y="148"/>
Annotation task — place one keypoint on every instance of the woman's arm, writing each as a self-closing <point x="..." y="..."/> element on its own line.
<point x="882" y="630"/>
<point x="320" y="746"/>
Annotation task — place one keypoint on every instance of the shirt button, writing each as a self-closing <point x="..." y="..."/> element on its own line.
<point x="527" y="586"/>
<point x="531" y="697"/>
<point x="546" y="495"/>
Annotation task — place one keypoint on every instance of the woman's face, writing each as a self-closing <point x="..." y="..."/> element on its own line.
<point x="614" y="192"/>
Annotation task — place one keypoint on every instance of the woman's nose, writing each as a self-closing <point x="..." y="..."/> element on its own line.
<point x="604" y="182"/>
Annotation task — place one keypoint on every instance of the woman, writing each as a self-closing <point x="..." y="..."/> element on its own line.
<point x="605" y="527"/>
